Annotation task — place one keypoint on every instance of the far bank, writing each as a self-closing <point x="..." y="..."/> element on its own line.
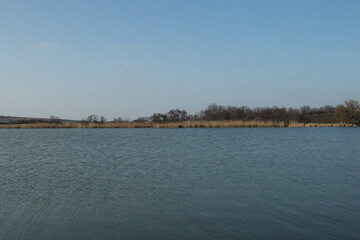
<point x="184" y="124"/>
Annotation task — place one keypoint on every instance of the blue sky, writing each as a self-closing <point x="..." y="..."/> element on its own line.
<point x="133" y="58"/>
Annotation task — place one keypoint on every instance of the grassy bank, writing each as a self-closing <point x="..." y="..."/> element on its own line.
<point x="185" y="124"/>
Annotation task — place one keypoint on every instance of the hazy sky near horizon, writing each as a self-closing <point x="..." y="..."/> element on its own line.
<point x="73" y="58"/>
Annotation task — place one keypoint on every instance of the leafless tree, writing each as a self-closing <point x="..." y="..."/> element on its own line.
<point x="92" y="118"/>
<point x="119" y="119"/>
<point x="176" y="115"/>
<point x="349" y="112"/>
<point x="54" y="119"/>
<point x="158" y="117"/>
<point x="102" y="119"/>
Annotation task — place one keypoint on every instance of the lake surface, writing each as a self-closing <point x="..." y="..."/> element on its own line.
<point x="180" y="183"/>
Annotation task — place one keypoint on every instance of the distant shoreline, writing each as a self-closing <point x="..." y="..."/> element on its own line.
<point x="184" y="124"/>
<point x="214" y="116"/>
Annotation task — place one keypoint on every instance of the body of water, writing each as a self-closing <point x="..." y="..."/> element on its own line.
<point x="180" y="183"/>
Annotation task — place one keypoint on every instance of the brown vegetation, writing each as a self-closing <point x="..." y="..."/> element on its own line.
<point x="297" y="124"/>
<point x="185" y="124"/>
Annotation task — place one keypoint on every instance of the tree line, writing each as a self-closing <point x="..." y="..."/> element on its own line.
<point x="349" y="112"/>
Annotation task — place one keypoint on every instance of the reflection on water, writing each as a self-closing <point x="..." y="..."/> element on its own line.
<point x="180" y="184"/>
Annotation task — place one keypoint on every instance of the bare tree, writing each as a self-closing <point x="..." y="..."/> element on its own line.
<point x="177" y="115"/>
<point x="349" y="112"/>
<point x="305" y="109"/>
<point x="119" y="119"/>
<point x="159" y="117"/>
<point x="92" y="118"/>
<point x="54" y="119"/>
<point x="141" y="119"/>
<point x="102" y="119"/>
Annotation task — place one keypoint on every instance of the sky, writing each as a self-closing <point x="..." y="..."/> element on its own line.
<point x="73" y="58"/>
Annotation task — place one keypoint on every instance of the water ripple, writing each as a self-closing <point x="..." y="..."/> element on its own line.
<point x="180" y="184"/>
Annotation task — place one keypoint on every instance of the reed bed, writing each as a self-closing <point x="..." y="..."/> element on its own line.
<point x="297" y="124"/>
<point x="185" y="124"/>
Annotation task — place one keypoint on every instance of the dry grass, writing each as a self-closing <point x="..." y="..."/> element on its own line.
<point x="186" y="124"/>
<point x="296" y="124"/>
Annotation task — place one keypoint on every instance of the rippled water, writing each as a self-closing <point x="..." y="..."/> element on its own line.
<point x="180" y="183"/>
